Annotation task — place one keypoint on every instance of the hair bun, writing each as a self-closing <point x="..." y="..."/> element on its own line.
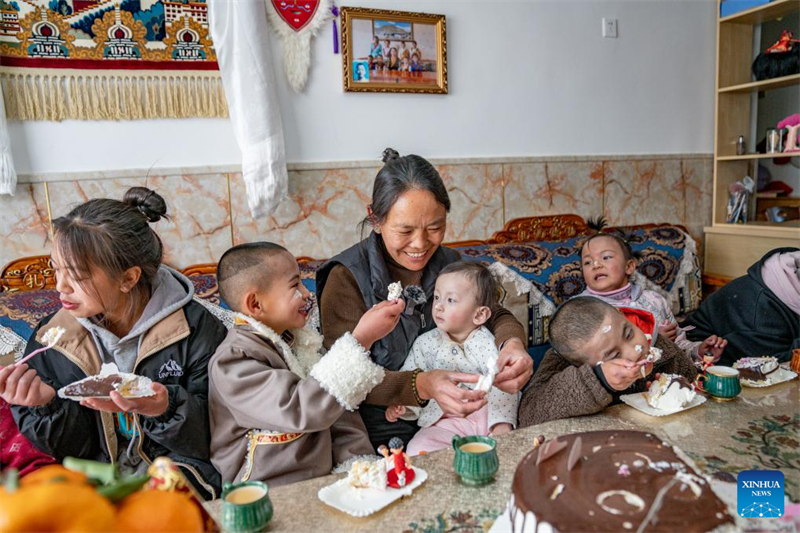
<point x="390" y="154"/>
<point x="148" y="202"/>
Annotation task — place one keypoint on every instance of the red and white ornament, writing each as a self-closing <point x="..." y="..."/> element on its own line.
<point x="296" y="22"/>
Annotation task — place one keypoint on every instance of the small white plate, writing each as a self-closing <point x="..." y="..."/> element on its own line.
<point x="779" y="376"/>
<point x="638" y="402"/>
<point x="364" y="502"/>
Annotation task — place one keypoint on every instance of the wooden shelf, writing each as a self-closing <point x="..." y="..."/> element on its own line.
<point x="745" y="157"/>
<point x="758" y="229"/>
<point x="764" y="85"/>
<point x="757" y="15"/>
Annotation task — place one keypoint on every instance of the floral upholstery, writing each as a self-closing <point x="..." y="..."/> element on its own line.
<point x="536" y="278"/>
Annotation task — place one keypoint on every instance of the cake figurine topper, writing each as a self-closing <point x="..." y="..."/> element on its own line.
<point x="549" y="449"/>
<point x="401" y="473"/>
<point x="574" y="454"/>
<point x="538" y="441"/>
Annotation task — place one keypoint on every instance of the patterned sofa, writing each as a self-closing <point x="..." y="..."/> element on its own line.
<point x="536" y="259"/>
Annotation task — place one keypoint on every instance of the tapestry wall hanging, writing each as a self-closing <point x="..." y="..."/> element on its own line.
<point x="108" y="60"/>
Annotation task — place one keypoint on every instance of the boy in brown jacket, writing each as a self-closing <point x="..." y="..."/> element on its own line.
<point x="597" y="356"/>
<point x="279" y="412"/>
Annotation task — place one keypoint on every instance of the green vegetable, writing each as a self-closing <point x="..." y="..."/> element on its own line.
<point x="122" y="488"/>
<point x="104" y="473"/>
<point x="11" y="480"/>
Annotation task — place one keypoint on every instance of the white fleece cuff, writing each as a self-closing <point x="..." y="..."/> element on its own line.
<point x="347" y="373"/>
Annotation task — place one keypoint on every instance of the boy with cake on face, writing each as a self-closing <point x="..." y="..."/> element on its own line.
<point x="279" y="412"/>
<point x="599" y="353"/>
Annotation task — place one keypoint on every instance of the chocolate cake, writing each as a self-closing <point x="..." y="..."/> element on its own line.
<point x="94" y="386"/>
<point x="109" y="379"/>
<point x="612" y="481"/>
<point x="756" y="368"/>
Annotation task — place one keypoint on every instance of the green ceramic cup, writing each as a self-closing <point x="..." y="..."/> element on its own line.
<point x="721" y="382"/>
<point x="246" y="507"/>
<point x="475" y="459"/>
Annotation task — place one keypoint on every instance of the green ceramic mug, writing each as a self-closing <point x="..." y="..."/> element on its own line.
<point x="246" y="507"/>
<point x="721" y="382"/>
<point x="475" y="459"/>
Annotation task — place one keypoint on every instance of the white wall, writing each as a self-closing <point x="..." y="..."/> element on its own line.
<point x="526" y="78"/>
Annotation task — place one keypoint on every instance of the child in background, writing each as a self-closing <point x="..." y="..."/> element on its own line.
<point x="608" y="261"/>
<point x="464" y="297"/>
<point x="597" y="355"/>
<point x="415" y="50"/>
<point x="404" y="52"/>
<point x="279" y="412"/>
<point x="404" y="65"/>
<point x="415" y="65"/>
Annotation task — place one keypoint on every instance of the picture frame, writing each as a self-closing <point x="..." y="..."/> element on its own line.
<point x="389" y="51"/>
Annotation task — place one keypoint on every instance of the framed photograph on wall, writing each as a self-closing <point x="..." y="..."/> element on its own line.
<point x="393" y="51"/>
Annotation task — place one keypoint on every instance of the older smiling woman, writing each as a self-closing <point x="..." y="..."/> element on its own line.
<point x="408" y="215"/>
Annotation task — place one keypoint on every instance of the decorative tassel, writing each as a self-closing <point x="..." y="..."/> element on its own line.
<point x="45" y="96"/>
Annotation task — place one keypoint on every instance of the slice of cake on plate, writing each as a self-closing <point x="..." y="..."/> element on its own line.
<point x="670" y="392"/>
<point x="756" y="369"/>
<point x="109" y="379"/>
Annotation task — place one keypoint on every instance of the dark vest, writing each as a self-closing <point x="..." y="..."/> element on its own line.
<point x="367" y="264"/>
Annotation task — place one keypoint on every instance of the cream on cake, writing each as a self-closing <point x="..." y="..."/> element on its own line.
<point x="670" y="392"/>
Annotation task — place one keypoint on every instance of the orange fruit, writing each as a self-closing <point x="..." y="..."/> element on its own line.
<point x="157" y="510"/>
<point x="55" y="507"/>
<point x="52" y="474"/>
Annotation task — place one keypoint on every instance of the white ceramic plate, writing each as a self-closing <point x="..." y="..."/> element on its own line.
<point x="779" y="376"/>
<point x="638" y="402"/>
<point x="364" y="502"/>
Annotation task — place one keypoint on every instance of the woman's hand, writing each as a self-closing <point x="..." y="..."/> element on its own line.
<point x="515" y="365"/>
<point x="20" y="385"/>
<point x="442" y="386"/>
<point x="155" y="405"/>
<point x="378" y="322"/>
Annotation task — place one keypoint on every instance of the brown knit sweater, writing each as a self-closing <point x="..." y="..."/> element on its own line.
<point x="341" y="307"/>
<point x="560" y="390"/>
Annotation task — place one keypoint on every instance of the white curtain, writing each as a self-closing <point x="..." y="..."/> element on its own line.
<point x="240" y="34"/>
<point x="8" y="177"/>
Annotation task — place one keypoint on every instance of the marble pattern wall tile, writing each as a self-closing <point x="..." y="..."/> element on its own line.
<point x="24" y="223"/>
<point x="698" y="182"/>
<point x="644" y="192"/>
<point x="200" y="228"/>
<point x="476" y="200"/>
<point x="319" y="218"/>
<point x="66" y="195"/>
<point x="538" y="189"/>
<point x="321" y="215"/>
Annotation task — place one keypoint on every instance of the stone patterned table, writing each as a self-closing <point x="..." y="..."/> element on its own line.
<point x="759" y="430"/>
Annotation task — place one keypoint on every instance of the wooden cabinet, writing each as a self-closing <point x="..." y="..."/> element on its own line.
<point x="731" y="248"/>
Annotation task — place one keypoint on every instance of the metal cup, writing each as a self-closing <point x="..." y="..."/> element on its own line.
<point x="773" y="141"/>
